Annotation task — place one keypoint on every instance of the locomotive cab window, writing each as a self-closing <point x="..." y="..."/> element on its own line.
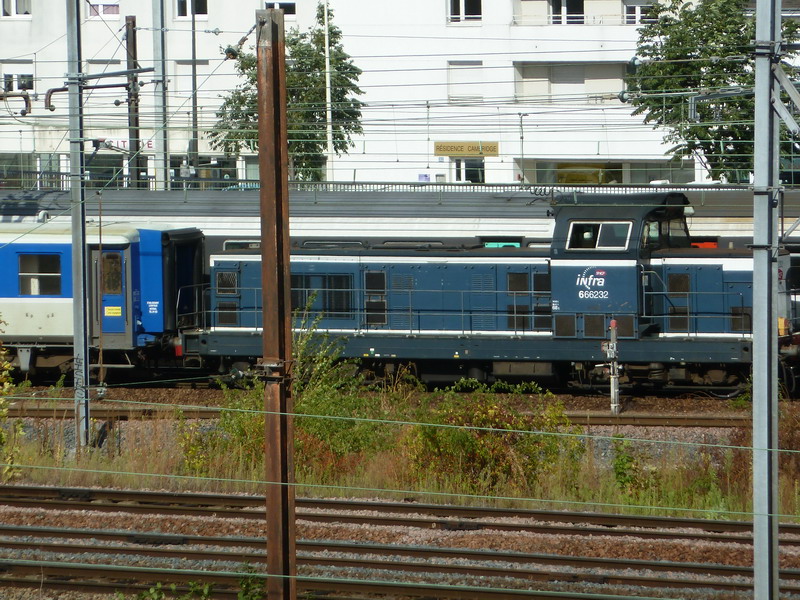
<point x="39" y="275"/>
<point x="673" y="233"/>
<point x="598" y="235"/>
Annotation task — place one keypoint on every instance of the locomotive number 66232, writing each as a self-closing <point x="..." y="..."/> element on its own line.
<point x="593" y="294"/>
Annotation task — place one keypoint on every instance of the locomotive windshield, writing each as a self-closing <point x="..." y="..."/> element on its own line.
<point x="600" y="235"/>
<point x="670" y="233"/>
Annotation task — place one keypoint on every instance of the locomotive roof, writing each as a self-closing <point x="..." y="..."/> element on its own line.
<point x="633" y="206"/>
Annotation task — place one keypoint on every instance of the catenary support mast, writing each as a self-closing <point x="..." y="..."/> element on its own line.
<point x="79" y="258"/>
<point x="766" y="199"/>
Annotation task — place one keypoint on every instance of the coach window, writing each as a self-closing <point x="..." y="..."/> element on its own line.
<point x="39" y="275"/>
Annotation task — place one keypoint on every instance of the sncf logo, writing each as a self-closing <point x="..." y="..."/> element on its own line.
<point x="592" y="277"/>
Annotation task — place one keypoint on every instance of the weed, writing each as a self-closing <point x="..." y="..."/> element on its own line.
<point x="9" y="437"/>
<point x="481" y="440"/>
<point x="633" y="470"/>
<point x="201" y="591"/>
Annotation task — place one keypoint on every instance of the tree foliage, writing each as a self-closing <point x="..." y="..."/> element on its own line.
<point x="700" y="49"/>
<point x="237" y="125"/>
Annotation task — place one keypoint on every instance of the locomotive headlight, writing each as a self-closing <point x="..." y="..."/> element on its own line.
<point x="688" y="211"/>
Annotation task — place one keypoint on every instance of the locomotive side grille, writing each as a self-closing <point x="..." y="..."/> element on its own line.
<point x="565" y="325"/>
<point x="375" y="298"/>
<point x="518" y="282"/>
<point x="227" y="282"/>
<point x="376" y="312"/>
<point x="625" y="326"/>
<point x="542" y="317"/>
<point x="678" y="287"/>
<point x="681" y="322"/>
<point x="483" y="283"/>
<point x="375" y="282"/>
<point x="402" y="282"/>
<point x="227" y="314"/>
<point x="742" y="318"/>
<point x="519" y="317"/>
<point x="541" y="282"/>
<point x="594" y="326"/>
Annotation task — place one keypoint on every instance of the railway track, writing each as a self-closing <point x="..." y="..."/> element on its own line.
<point x="97" y="560"/>
<point x="392" y="514"/>
<point x="86" y="561"/>
<point x="587" y="418"/>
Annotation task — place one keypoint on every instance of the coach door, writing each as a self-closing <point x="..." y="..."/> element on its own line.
<point x="110" y="308"/>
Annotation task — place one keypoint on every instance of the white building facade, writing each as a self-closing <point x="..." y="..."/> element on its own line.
<point x="455" y="91"/>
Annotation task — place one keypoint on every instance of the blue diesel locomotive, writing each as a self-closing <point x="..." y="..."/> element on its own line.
<point x="682" y="313"/>
<point x="134" y="277"/>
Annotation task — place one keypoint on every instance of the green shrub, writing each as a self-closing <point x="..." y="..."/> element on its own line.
<point x="483" y="441"/>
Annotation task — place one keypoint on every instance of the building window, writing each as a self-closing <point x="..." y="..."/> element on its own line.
<point x="107" y="9"/>
<point x="8" y="83"/>
<point x="472" y="170"/>
<point x="289" y="8"/>
<point x="464" y="10"/>
<point x="672" y="172"/>
<point x="583" y="83"/>
<point x="566" y="11"/>
<point x="39" y="275"/>
<point x="17" y="170"/>
<point x="187" y="7"/>
<point x="578" y="173"/>
<point x="567" y="80"/>
<point x="638" y="14"/>
<point x="25" y="81"/>
<point x="464" y="80"/>
<point x="16" y="8"/>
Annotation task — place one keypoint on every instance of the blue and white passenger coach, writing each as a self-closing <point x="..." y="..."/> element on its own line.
<point x="135" y="273"/>
<point x="682" y="313"/>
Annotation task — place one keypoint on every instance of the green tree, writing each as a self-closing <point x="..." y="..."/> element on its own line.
<point x="685" y="49"/>
<point x="237" y="125"/>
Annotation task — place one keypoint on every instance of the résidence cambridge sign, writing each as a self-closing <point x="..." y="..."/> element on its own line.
<point x="466" y="148"/>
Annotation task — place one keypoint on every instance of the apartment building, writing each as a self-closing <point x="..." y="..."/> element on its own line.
<point x="455" y="91"/>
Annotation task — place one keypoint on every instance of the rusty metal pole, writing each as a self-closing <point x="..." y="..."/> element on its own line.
<point x="273" y="160"/>
<point x="134" y="145"/>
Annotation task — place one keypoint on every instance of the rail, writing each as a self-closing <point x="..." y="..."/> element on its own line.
<point x="423" y="561"/>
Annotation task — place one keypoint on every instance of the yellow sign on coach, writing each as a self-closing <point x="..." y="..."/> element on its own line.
<point x="113" y="311"/>
<point x="466" y="148"/>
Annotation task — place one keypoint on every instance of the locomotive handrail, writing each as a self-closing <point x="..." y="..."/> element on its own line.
<point x="195" y="318"/>
<point x="248" y="302"/>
